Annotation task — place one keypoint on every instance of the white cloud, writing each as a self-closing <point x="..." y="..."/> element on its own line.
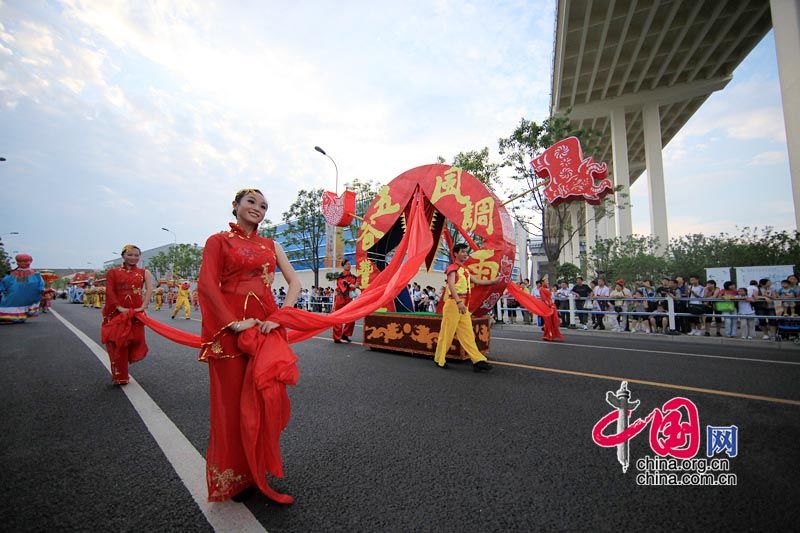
<point x="775" y="157"/>
<point x="172" y="105"/>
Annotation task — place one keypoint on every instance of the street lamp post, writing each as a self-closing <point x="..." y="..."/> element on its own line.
<point x="175" y="243"/>
<point x="320" y="150"/>
<point x="9" y="233"/>
<point x="336" y="168"/>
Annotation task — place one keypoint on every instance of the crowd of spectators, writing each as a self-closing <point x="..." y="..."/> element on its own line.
<point x="638" y="307"/>
<point x="700" y="308"/>
<point x="316" y="299"/>
<point x="320" y="299"/>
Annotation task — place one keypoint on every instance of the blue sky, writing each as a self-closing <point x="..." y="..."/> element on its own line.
<point x="120" y="118"/>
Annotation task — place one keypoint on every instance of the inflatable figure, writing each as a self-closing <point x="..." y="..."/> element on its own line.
<point x="20" y="292"/>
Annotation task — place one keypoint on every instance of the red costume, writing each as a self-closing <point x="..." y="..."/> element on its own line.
<point x="122" y="335"/>
<point x="552" y="331"/>
<point x="344" y="284"/>
<point x="248" y="371"/>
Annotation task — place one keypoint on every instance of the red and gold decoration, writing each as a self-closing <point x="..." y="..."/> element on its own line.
<point x="417" y="333"/>
<point x="569" y="176"/>
<point x="339" y="210"/>
<point x="448" y="194"/>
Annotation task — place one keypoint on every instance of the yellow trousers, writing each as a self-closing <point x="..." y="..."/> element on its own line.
<point x="182" y="302"/>
<point x="454" y="324"/>
<point x="159" y="302"/>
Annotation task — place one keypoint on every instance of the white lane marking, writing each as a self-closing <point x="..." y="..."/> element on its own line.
<point x="184" y="458"/>
<point x="734" y="358"/>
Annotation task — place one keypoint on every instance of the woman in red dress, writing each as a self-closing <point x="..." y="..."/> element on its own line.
<point x="552" y="331"/>
<point x="249" y="404"/>
<point x="122" y="334"/>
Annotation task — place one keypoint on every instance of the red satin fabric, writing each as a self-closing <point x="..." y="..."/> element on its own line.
<point x="528" y="301"/>
<point x="302" y="324"/>
<point x="249" y="403"/>
<point x="265" y="407"/>
<point x="122" y="335"/>
<point x="343" y="285"/>
<point x="544" y="308"/>
<point x="175" y="335"/>
<point x="552" y="329"/>
<point x="227" y="469"/>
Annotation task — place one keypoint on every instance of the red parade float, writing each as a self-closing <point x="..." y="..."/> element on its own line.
<point x="448" y="194"/>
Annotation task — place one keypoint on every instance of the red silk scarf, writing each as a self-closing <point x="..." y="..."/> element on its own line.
<point x="409" y="257"/>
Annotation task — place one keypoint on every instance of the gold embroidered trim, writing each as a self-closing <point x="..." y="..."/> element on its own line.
<point x="223" y="482"/>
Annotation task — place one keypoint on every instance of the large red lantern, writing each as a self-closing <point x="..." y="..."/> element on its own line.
<point x="449" y="194"/>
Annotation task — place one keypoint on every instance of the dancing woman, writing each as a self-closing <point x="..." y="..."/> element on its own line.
<point x="248" y="371"/>
<point x="550" y="326"/>
<point x="120" y="332"/>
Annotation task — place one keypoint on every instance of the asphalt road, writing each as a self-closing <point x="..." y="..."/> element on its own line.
<point x="382" y="441"/>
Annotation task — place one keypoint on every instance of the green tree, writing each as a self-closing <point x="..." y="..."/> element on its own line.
<point x="306" y="229"/>
<point x="188" y="258"/>
<point x="567" y="271"/>
<point x="159" y="265"/>
<point x="692" y="254"/>
<point x="268" y="229"/>
<point x="5" y="264"/>
<point x="532" y="210"/>
<point x="477" y="163"/>
<point x="183" y="260"/>
<point x="634" y="258"/>
<point x="365" y="190"/>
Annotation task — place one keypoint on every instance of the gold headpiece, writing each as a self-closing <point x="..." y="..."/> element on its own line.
<point x="242" y="192"/>
<point x="128" y="247"/>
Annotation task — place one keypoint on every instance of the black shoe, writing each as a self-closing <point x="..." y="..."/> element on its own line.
<point x="337" y="341"/>
<point x="172" y="317"/>
<point x="481" y="366"/>
<point x="706" y="334"/>
<point x="719" y="334"/>
<point x="346" y="338"/>
<point x="244" y="495"/>
<point x="187" y="318"/>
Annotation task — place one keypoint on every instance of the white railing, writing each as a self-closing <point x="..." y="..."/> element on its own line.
<point x="606" y="307"/>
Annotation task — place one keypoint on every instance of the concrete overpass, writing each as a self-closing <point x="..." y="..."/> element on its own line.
<point x="637" y="70"/>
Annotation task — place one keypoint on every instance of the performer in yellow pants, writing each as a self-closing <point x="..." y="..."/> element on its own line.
<point x="159" y="298"/>
<point x="456" y="318"/>
<point x="182" y="301"/>
<point x="100" y="298"/>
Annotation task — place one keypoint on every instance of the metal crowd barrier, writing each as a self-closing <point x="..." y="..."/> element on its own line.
<point x="574" y="312"/>
<point x="314" y="304"/>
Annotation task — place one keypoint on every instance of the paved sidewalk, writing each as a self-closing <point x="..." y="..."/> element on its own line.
<point x="756" y="342"/>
